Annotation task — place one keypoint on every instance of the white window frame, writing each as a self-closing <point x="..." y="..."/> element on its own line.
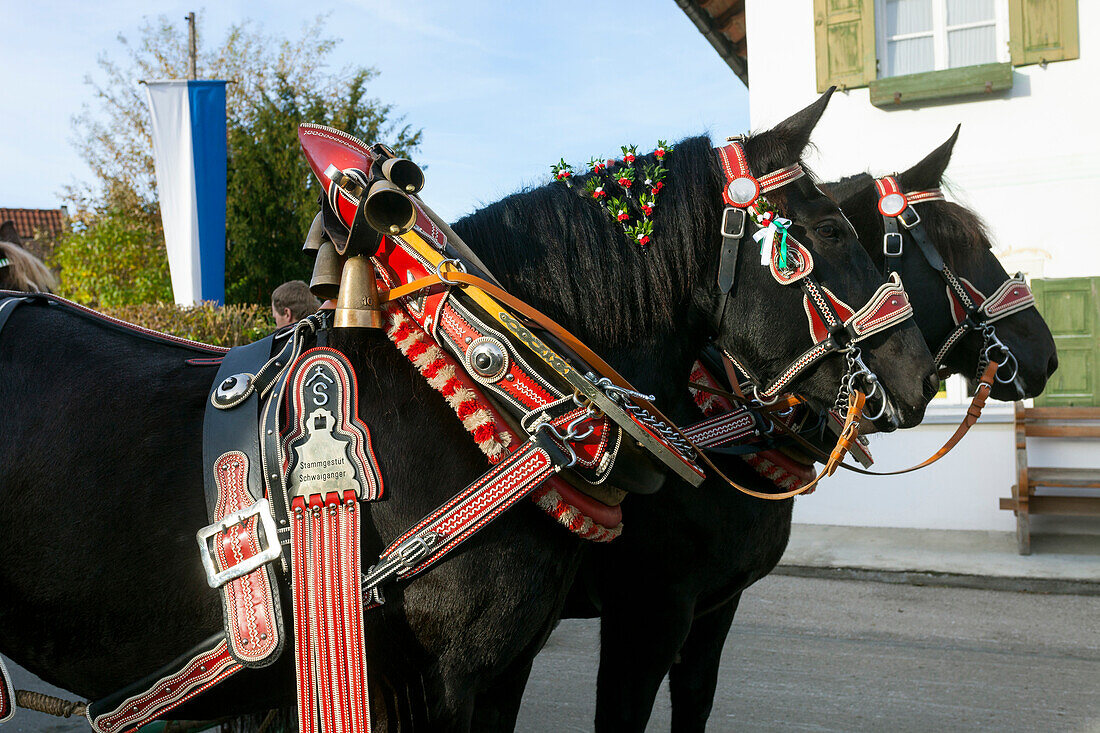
<point x="939" y="34"/>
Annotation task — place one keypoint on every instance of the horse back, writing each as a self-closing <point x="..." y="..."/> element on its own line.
<point x="100" y="475"/>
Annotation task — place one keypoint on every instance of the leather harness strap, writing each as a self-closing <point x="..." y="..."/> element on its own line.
<point x="835" y="459"/>
<point x="973" y="412"/>
<point x="464" y="514"/>
<point x="7" y="694"/>
<point x="242" y="530"/>
<point x="174" y="684"/>
<point x="970" y="308"/>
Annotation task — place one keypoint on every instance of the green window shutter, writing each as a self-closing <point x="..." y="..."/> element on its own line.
<point x="1041" y="31"/>
<point x="1071" y="307"/>
<point x="844" y="39"/>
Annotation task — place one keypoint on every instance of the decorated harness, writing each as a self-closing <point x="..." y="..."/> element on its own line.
<point x="288" y="459"/>
<point x="970" y="308"/>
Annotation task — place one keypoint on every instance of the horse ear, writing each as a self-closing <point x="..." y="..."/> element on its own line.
<point x="8" y="233"/>
<point x="783" y="144"/>
<point x="929" y="172"/>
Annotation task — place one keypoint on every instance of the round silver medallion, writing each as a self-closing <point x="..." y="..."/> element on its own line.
<point x="487" y="359"/>
<point x="892" y="204"/>
<point x="743" y="191"/>
<point x="232" y="390"/>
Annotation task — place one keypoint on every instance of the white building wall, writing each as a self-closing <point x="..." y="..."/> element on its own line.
<point x="1027" y="160"/>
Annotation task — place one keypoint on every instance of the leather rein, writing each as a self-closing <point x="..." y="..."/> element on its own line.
<point x="970" y="308"/>
<point x="835" y="327"/>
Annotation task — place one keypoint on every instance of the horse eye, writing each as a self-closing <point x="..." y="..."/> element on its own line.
<point x="829" y="231"/>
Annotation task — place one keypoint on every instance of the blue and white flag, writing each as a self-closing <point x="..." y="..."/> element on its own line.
<point x="189" y="151"/>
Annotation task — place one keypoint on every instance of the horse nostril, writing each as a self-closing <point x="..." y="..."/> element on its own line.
<point x="931" y="385"/>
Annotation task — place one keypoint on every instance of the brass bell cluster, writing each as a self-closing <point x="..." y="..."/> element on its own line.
<point x="342" y="269"/>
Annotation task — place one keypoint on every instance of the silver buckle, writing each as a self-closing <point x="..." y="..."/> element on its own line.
<point x="262" y="509"/>
<point x="908" y="221"/>
<point x="892" y="237"/>
<point x="740" y="231"/>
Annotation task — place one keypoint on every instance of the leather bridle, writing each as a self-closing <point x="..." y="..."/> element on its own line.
<point x="970" y="309"/>
<point x="835" y="327"/>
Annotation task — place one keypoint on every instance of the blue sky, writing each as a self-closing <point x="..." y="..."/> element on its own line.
<point x="501" y="89"/>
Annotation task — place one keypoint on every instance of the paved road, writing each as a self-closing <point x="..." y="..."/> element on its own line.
<point x="833" y="655"/>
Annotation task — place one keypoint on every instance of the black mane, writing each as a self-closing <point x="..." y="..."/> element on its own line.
<point x="569" y="257"/>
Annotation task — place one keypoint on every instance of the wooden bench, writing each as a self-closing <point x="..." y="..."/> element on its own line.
<point x="1051" y="422"/>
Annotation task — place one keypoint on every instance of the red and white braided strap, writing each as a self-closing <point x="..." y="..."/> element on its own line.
<point x="803" y="362"/>
<point x="722" y="429"/>
<point x="742" y="188"/>
<point x="949" y="343"/>
<point x="920" y="197"/>
<point x="204" y="670"/>
<point x="464" y="514"/>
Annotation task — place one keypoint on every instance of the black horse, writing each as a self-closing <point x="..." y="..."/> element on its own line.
<point x="100" y="468"/>
<point x="669" y="588"/>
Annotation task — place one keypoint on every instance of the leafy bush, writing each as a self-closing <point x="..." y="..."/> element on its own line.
<point x="114" y="255"/>
<point x="230" y="325"/>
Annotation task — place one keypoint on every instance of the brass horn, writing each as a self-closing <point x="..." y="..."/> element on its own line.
<point x="325" y="283"/>
<point x="388" y="209"/>
<point x="358" y="304"/>
<point x="316" y="234"/>
<point x="404" y="174"/>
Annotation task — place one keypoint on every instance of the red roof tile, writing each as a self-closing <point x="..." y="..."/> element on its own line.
<point x="28" y="221"/>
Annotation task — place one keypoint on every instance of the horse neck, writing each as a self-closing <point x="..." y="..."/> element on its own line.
<point x="632" y="307"/>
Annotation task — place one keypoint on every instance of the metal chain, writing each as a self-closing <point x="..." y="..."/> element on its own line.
<point x="622" y="397"/>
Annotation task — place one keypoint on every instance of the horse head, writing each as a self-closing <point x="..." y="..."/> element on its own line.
<point x="19" y="269"/>
<point x="767" y="325"/>
<point x="1008" y="330"/>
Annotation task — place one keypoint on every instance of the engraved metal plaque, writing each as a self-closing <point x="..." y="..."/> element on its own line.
<point x="328" y="447"/>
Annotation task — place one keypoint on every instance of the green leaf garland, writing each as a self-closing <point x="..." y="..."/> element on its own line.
<point x="638" y="187"/>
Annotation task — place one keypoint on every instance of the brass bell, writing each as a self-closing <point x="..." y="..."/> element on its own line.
<point x="325" y="283"/>
<point x="358" y="304"/>
<point x="388" y="209"/>
<point x="316" y="234"/>
<point x="404" y="174"/>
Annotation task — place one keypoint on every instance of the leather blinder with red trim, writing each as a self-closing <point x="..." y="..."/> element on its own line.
<point x="1012" y="296"/>
<point x="800" y="263"/>
<point x="958" y="310"/>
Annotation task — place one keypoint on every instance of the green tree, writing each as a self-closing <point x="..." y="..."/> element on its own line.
<point x="272" y="194"/>
<point x="114" y="254"/>
<point x="276" y="83"/>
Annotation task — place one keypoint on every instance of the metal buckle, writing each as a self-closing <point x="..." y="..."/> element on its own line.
<point x="262" y="509"/>
<point x="892" y="237"/>
<point x="740" y="230"/>
<point x="908" y="221"/>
